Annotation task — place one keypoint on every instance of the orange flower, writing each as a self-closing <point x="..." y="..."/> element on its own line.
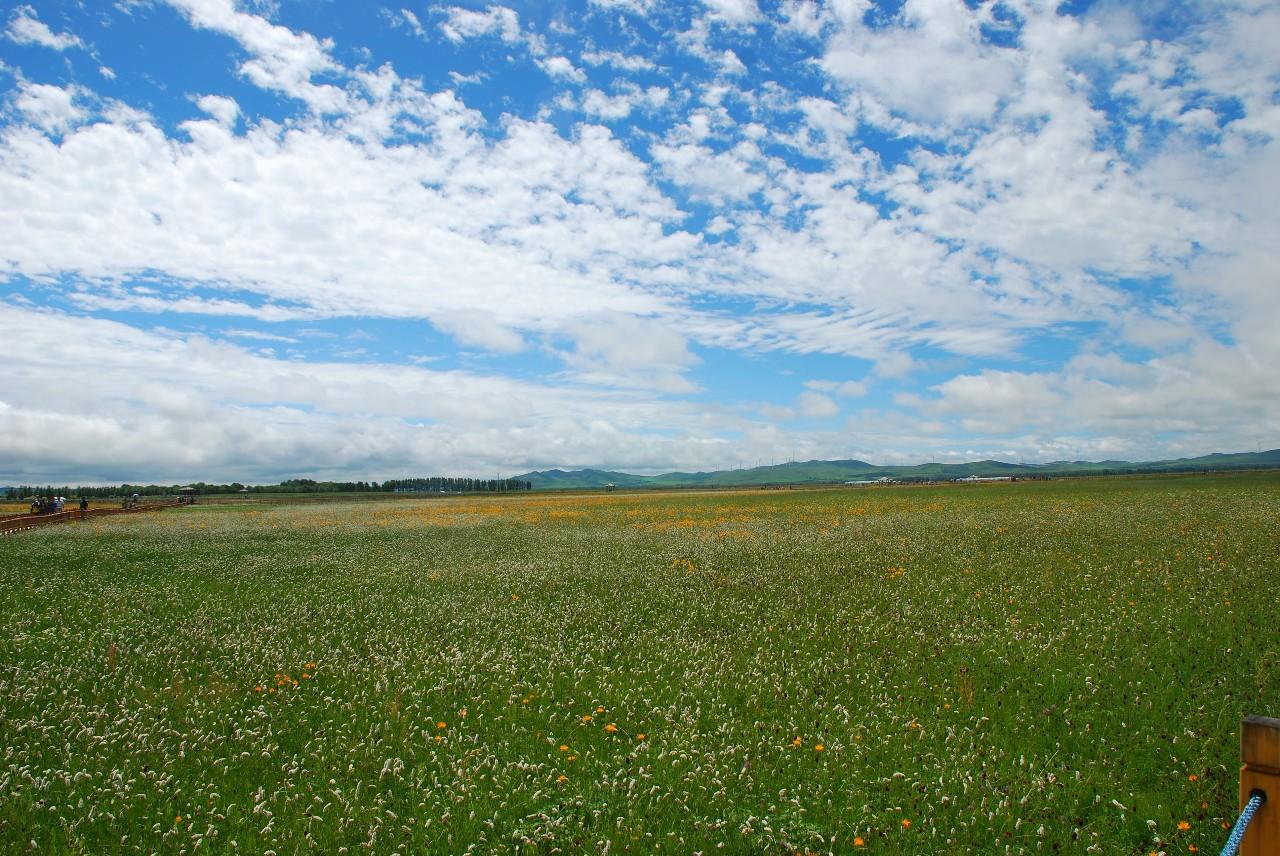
<point x="819" y="748"/>
<point x="586" y="717"/>
<point x="564" y="748"/>
<point x="611" y="728"/>
<point x="799" y="741"/>
<point x="906" y="824"/>
<point x="1183" y="825"/>
<point x="562" y="778"/>
<point x="639" y="736"/>
<point x="599" y="709"/>
<point x="441" y="725"/>
<point x="1192" y="777"/>
<point x="858" y="842"/>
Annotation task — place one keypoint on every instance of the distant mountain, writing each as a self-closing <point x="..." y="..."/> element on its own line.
<point x="832" y="472"/>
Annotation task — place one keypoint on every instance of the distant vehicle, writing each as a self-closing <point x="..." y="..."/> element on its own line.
<point x="883" y="480"/>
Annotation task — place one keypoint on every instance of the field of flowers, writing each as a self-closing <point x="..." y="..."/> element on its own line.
<point x="1009" y="668"/>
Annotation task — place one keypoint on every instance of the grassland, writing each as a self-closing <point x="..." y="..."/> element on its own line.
<point x="1021" y="668"/>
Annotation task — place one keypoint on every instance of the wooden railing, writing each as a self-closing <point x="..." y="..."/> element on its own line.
<point x="27" y="522"/>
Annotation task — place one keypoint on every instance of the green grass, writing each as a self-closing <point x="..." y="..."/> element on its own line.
<point x="1037" y="667"/>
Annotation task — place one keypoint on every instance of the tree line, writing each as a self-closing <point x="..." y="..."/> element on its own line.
<point x="434" y="484"/>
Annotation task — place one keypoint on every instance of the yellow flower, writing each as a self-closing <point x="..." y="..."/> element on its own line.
<point x="562" y="778"/>
<point x="178" y="819"/>
<point x="572" y="758"/>
<point x="611" y="728"/>
<point x="586" y="717"/>
<point x="599" y="709"/>
<point x="819" y="748"/>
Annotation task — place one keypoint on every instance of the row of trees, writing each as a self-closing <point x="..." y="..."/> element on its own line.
<point x="435" y="484"/>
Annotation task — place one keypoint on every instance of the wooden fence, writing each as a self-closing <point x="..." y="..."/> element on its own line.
<point x="25" y="522"/>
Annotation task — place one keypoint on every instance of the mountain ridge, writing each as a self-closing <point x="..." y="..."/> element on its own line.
<point x="836" y="471"/>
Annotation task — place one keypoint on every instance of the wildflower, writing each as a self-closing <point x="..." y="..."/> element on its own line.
<point x="599" y="709"/>
<point x="572" y="758"/>
<point x="1183" y="825"/>
<point x="564" y="748"/>
<point x="463" y="713"/>
<point x="586" y="717"/>
<point x="178" y="819"/>
<point x="309" y="666"/>
<point x="1192" y="777"/>
<point x="906" y="824"/>
<point x="640" y="736"/>
<point x="258" y="688"/>
<point x="611" y="728"/>
<point x="562" y="778"/>
<point x="858" y="842"/>
<point x="441" y="724"/>
<point x="819" y="748"/>
<point x="799" y="741"/>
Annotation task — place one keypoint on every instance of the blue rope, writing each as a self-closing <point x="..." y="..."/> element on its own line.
<point x="1256" y="799"/>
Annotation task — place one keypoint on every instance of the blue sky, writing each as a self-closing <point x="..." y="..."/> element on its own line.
<point x="254" y="239"/>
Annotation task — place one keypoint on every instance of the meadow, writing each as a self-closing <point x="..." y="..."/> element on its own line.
<point x="1006" y="668"/>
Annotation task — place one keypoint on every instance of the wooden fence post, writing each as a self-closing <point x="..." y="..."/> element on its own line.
<point x="1260" y="757"/>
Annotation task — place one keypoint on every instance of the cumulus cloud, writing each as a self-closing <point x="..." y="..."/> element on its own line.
<point x="26" y="28"/>
<point x="52" y="108"/>
<point x="1053" y="178"/>
<point x="461" y="24"/>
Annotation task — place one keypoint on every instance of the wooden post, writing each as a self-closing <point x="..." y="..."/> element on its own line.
<point x="1260" y="757"/>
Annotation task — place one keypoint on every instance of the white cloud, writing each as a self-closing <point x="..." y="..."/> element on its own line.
<point x="562" y="67"/>
<point x="462" y="24"/>
<point x="478" y="328"/>
<point x="633" y="7"/>
<point x="623" y="103"/>
<point x="52" y="108"/>
<point x="618" y="60"/>
<point x="844" y="389"/>
<point x="26" y="28"/>
<point x="733" y="12"/>
<point x="932" y="66"/>
<point x="814" y="405"/>
<point x="223" y="109"/>
<point x="280" y="59"/>
<point x="631" y="351"/>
